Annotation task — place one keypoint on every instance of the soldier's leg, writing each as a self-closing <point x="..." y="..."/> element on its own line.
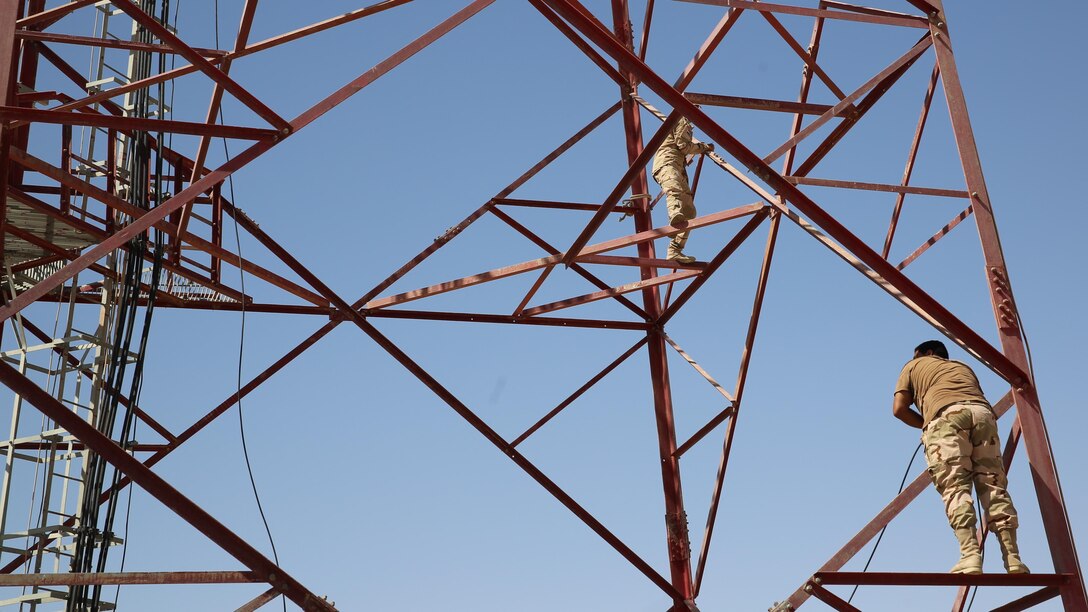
<point x="678" y="199"/>
<point x="948" y="453"/>
<point x="992" y="486"/>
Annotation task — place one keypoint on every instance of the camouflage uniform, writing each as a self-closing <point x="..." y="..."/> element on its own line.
<point x="670" y="171"/>
<point x="959" y="431"/>
<point x="962" y="446"/>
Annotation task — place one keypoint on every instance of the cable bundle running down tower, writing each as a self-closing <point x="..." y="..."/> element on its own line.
<point x="129" y="221"/>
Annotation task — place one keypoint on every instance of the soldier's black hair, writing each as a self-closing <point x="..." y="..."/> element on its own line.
<point x="936" y="346"/>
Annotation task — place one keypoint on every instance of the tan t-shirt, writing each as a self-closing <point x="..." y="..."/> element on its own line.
<point x="935" y="383"/>
<point x="676" y="147"/>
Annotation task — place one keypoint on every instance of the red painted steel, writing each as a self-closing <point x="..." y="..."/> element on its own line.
<point x="911" y="157"/>
<point x="989" y="354"/>
<point x="944" y="579"/>
<point x="577" y="267"/>
<point x="900" y="189"/>
<point x="641" y="238"/>
<point x="9" y="10"/>
<point x="782" y="106"/>
<point x="941" y="233"/>
<point x="848" y="100"/>
<point x="742" y="376"/>
<point x="107" y="43"/>
<point x="198" y="60"/>
<point x="258" y="601"/>
<point x="573" y="396"/>
<point x="130" y="578"/>
<point x="133" y="123"/>
<point x="1036" y="441"/>
<point x="45" y="18"/>
<point x="809" y="59"/>
<point x="161" y="490"/>
<point x="612" y="50"/>
<point x="829" y="598"/>
<point x="867" y="17"/>
<point x="638" y="154"/>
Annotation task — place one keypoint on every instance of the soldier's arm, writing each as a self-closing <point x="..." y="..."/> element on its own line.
<point x="683" y="138"/>
<point x="902" y="410"/>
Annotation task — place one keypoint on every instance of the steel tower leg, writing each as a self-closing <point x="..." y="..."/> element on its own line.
<point x="676" y="521"/>
<point x="1036" y="441"/>
<point x="9" y="12"/>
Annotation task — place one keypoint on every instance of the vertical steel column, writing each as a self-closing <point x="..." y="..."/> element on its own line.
<point x="1036" y="441"/>
<point x="676" y="520"/>
<point x="9" y="13"/>
<point x="28" y="76"/>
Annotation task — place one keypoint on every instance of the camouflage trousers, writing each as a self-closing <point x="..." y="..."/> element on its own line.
<point x="962" y="448"/>
<point x="674" y="182"/>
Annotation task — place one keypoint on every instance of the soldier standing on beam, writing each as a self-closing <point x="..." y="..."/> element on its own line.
<point x="670" y="171"/>
<point x="960" y="435"/>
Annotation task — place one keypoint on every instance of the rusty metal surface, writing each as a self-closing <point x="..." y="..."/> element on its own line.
<point x="55" y="243"/>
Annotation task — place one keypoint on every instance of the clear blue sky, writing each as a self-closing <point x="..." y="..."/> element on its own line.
<point x="382" y="497"/>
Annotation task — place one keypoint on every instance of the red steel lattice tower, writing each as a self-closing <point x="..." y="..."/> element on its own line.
<point x="118" y="206"/>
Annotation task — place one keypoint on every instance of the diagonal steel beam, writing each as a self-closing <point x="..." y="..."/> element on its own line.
<point x="612" y="292"/>
<point x="105" y="96"/>
<point x="904" y="61"/>
<point x="1001" y="364"/>
<point x="576" y="266"/>
<point x="713" y="265"/>
<point x="536" y="264"/>
<point x="9" y="113"/>
<point x="884" y="517"/>
<point x="515" y="456"/>
<point x="908" y="21"/>
<point x="51" y="16"/>
<point x="579" y="42"/>
<point x="578" y="392"/>
<point x="198" y="60"/>
<point x="144" y="222"/>
<point x="1044" y="473"/>
<point x="806" y="56"/>
<point x="1029" y="601"/>
<point x="240" y="41"/>
<point x="214" y="107"/>
<point x="851" y="120"/>
<point x="351" y="312"/>
<point x="637" y="167"/>
<point x="99" y="234"/>
<point x="742" y="378"/>
<point x="911" y="157"/>
<point x="717" y="35"/>
<point x="941" y="233"/>
<point x="161" y="490"/>
<point x="121" y="205"/>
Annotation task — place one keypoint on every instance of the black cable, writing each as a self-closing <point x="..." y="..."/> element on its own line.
<point x="173" y="62"/>
<point x="144" y="184"/>
<point x="241" y="346"/>
<point x="902" y="484"/>
<point x="242" y="339"/>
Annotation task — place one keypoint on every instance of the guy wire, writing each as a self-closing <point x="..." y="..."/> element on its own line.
<point x="902" y="484"/>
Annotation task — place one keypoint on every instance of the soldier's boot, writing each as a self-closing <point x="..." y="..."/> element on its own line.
<point x="1010" y="553"/>
<point x="679" y="257"/>
<point x="970" y="555"/>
